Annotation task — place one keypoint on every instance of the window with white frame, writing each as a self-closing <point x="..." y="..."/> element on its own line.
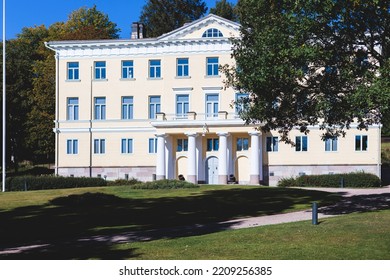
<point x="182" y="105"/>
<point x="152" y="145"/>
<point x="99" y="146"/>
<point x="212" y="33"/>
<point x="272" y="144"/>
<point x="100" y="108"/>
<point x="240" y="105"/>
<point x="127" y="108"/>
<point x="212" y="144"/>
<point x="182" y="145"/>
<point x="212" y="105"/>
<point x="72" y="109"/>
<point x="100" y="70"/>
<point x="361" y="142"/>
<point x="73" y="71"/>
<point x="331" y="144"/>
<point x="126" y="146"/>
<point x="212" y="65"/>
<point x="301" y="144"/>
<point x="154" y="68"/>
<point x="127" y="69"/>
<point x="182" y="67"/>
<point x="242" y="144"/>
<point x="72" y="146"/>
<point x="154" y="106"/>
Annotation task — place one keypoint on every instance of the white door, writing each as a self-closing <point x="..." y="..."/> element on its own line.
<point x="212" y="170"/>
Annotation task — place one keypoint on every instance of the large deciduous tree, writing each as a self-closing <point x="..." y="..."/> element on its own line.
<point x="225" y="9"/>
<point x="163" y="16"/>
<point x="310" y="62"/>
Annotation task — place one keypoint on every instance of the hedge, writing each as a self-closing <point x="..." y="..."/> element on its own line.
<point x="51" y="182"/>
<point x="165" y="184"/>
<point x="347" y="180"/>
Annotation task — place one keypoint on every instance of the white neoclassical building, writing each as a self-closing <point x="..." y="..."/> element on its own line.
<point x="157" y="108"/>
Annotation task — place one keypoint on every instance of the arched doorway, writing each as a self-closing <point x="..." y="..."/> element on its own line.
<point x="242" y="170"/>
<point x="181" y="167"/>
<point x="212" y="170"/>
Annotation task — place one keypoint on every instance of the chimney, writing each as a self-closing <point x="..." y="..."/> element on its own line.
<point x="137" y="30"/>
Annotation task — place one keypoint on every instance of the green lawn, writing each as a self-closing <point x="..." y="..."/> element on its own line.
<point x="58" y="219"/>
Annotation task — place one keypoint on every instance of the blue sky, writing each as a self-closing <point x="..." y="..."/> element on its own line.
<point x="28" y="13"/>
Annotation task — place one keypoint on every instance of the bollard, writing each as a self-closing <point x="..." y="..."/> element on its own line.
<point x="314" y="219"/>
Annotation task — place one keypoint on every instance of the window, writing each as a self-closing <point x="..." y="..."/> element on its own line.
<point x="212" y="144"/>
<point x="154" y="69"/>
<point x="182" y="67"/>
<point x="212" y="65"/>
<point x="154" y="106"/>
<point x="272" y="144"/>
<point x="212" y="33"/>
<point x="182" y="106"/>
<point x="240" y="99"/>
<point x="182" y="145"/>
<point x="127" y="69"/>
<point x="127" y="146"/>
<point x="242" y="144"/>
<point x="100" y="108"/>
<point x="152" y="145"/>
<point x="301" y="143"/>
<point x="73" y="109"/>
<point x="73" y="70"/>
<point x="361" y="143"/>
<point x="127" y="108"/>
<point x="72" y="146"/>
<point x="99" y="146"/>
<point x="100" y="70"/>
<point x="212" y="105"/>
<point x="331" y="145"/>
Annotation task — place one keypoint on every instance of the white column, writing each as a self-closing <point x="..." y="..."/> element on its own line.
<point x="222" y="158"/>
<point x="191" y="161"/>
<point x="255" y="158"/>
<point x="160" y="168"/>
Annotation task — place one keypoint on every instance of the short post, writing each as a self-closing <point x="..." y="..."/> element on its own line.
<point x="314" y="212"/>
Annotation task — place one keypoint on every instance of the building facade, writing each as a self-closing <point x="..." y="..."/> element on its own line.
<point x="158" y="108"/>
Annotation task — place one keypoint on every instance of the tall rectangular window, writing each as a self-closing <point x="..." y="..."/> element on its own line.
<point x="331" y="145"/>
<point x="72" y="146"/>
<point x="152" y="145"/>
<point x="361" y="143"/>
<point x="72" y="109"/>
<point x="154" y="68"/>
<point x="73" y="71"/>
<point x="100" y="108"/>
<point x="272" y="144"/>
<point x="212" y="144"/>
<point x="127" y="108"/>
<point x="242" y="144"/>
<point x="301" y="144"/>
<point x="182" y="145"/>
<point x="100" y="70"/>
<point x="212" y="65"/>
<point x="212" y="105"/>
<point x="154" y="106"/>
<point x="240" y="105"/>
<point x="99" y="146"/>
<point x="182" y="67"/>
<point x="182" y="105"/>
<point x="127" y="146"/>
<point x="127" y="69"/>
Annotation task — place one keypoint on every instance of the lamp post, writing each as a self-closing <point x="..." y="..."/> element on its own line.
<point x="4" y="168"/>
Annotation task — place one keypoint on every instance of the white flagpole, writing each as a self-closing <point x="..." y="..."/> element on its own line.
<point x="4" y="168"/>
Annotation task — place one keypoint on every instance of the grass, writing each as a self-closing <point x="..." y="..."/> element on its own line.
<point x="60" y="218"/>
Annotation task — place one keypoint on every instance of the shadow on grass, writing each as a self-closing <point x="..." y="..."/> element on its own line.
<point x="85" y="226"/>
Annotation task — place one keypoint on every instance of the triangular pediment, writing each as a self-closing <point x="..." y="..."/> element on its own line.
<point x="196" y="29"/>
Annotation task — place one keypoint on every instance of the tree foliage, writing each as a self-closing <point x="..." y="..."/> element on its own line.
<point x="163" y="16"/>
<point x="310" y="62"/>
<point x="225" y="9"/>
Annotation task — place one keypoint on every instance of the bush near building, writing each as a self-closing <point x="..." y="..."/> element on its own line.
<point x="346" y="180"/>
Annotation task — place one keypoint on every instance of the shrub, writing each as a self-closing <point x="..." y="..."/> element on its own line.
<point x="165" y="184"/>
<point x="51" y="182"/>
<point x="124" y="182"/>
<point x="347" y="180"/>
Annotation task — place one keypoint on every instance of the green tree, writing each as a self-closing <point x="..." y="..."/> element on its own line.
<point x="309" y="62"/>
<point x="225" y="9"/>
<point x="163" y="16"/>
